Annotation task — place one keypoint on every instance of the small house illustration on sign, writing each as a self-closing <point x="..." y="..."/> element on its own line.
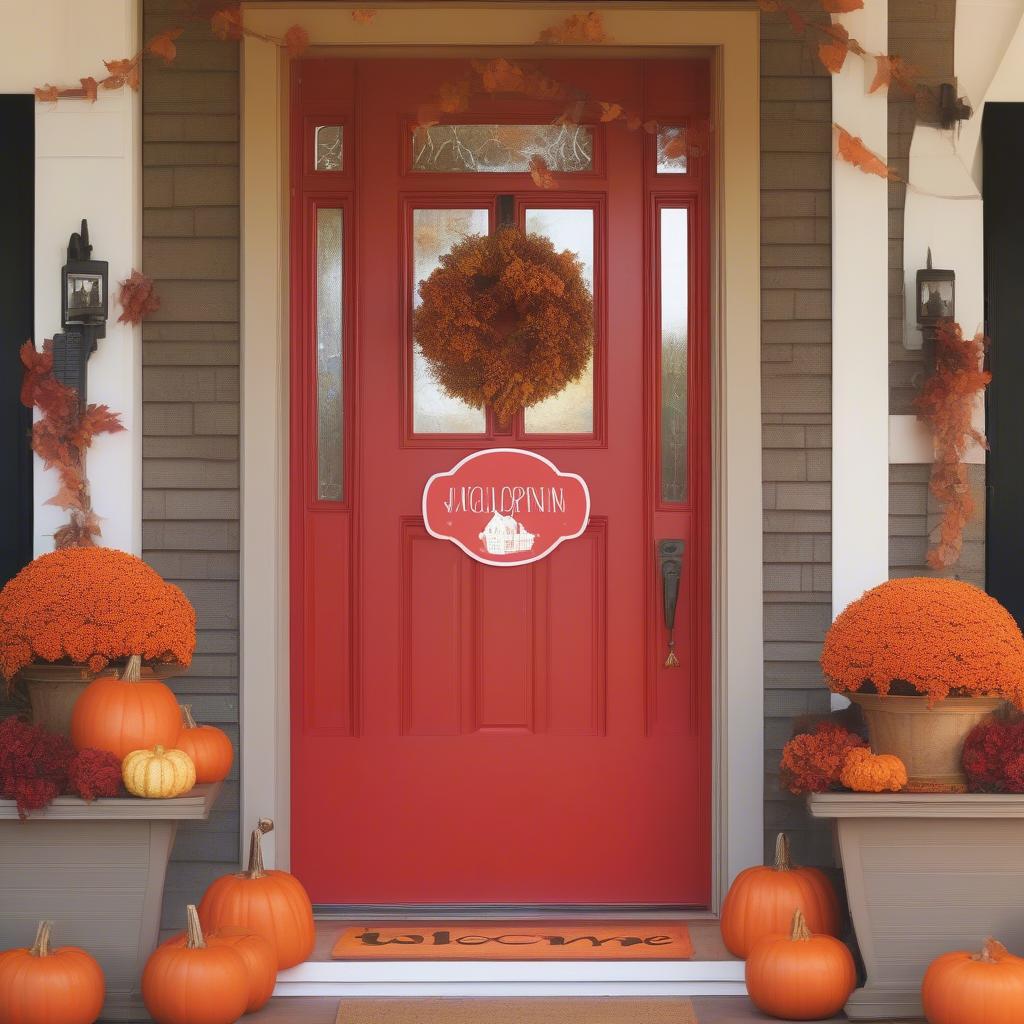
<point x="504" y="536"/>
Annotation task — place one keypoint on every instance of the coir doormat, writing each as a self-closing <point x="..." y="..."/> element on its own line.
<point x="516" y="940"/>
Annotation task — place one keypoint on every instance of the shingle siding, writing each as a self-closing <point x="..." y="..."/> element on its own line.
<point x="796" y="384"/>
<point x="191" y="393"/>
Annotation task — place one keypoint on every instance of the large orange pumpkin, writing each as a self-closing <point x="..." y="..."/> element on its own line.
<point x="761" y="902"/>
<point x="271" y="903"/>
<point x="125" y="714"/>
<point x="800" y="976"/>
<point x="195" y="982"/>
<point x="208" y="746"/>
<point x="49" y="986"/>
<point x="259" y="956"/>
<point x="975" y="988"/>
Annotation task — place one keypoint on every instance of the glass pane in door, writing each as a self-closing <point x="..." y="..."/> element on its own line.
<point x="329" y="411"/>
<point x="434" y="234"/>
<point x="674" y="319"/>
<point x="572" y="411"/>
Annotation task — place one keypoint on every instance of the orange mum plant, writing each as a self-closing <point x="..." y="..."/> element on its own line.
<point x="92" y="606"/>
<point x="812" y="762"/>
<point x="936" y="638"/>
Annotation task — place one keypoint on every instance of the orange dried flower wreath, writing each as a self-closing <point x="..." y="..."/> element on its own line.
<point x="505" y="321"/>
<point x="939" y="637"/>
<point x="91" y="606"/>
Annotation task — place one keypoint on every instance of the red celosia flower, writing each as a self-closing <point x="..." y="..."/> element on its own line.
<point x="993" y="757"/>
<point x="94" y="773"/>
<point x="812" y="762"/>
<point x="942" y="637"/>
<point x="33" y="764"/>
<point x="92" y="606"/>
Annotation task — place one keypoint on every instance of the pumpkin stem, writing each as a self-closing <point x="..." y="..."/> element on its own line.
<point x="800" y="932"/>
<point x="782" y="858"/>
<point x="186" y="714"/>
<point x="992" y="951"/>
<point x="193" y="929"/>
<point x="256" y="869"/>
<point x="132" y="672"/>
<point x="41" y="947"/>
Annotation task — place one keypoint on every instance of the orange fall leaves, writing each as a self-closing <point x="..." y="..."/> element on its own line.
<point x="946" y="404"/>
<point x="61" y="438"/>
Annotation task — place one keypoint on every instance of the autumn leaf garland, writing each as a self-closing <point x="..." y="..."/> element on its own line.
<point x="61" y="437"/>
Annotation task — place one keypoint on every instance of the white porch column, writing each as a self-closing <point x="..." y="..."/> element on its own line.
<point x="88" y="164"/>
<point x="860" y="326"/>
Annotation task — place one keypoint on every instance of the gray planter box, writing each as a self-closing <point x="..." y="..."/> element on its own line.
<point x="925" y="874"/>
<point x="97" y="871"/>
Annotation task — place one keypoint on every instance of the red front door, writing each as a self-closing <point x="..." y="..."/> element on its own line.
<point x="464" y="732"/>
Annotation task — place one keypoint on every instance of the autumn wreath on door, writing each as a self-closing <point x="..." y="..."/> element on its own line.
<point x="505" y="321"/>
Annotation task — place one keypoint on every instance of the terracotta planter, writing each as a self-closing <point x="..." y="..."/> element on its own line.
<point x="929" y="740"/>
<point x="52" y="689"/>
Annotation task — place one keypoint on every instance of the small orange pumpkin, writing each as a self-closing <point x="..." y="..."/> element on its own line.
<point x="208" y="746"/>
<point x="125" y="714"/>
<point x="50" y="986"/>
<point x="195" y="982"/>
<point x="761" y="902"/>
<point x="975" y="988"/>
<point x="864" y="772"/>
<point x="259" y="956"/>
<point x="800" y="976"/>
<point x="273" y="904"/>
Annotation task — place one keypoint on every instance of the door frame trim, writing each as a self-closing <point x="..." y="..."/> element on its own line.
<point x="731" y="36"/>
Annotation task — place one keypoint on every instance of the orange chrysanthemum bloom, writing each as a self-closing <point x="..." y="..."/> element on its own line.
<point x="92" y="606"/>
<point x="937" y="637"/>
<point x="813" y="761"/>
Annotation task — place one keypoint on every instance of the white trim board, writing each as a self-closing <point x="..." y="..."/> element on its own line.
<point x="732" y="37"/>
<point x="860" y="326"/>
<point x="518" y="978"/>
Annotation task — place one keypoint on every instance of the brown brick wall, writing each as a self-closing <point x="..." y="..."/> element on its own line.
<point x="796" y="367"/>
<point x="190" y="392"/>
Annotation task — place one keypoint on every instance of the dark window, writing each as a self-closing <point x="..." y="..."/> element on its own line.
<point x="17" y="205"/>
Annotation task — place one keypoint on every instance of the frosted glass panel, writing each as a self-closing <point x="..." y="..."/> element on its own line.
<point x="502" y="148"/>
<point x="671" y="155"/>
<point x="329" y="408"/>
<point x="329" y="154"/>
<point x="674" y="272"/>
<point x="571" y="411"/>
<point x="434" y="233"/>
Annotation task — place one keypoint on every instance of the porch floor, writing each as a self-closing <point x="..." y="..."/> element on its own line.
<point x="324" y="1010"/>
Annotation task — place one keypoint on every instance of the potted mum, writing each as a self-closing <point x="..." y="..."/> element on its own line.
<point x="70" y="613"/>
<point x="926" y="660"/>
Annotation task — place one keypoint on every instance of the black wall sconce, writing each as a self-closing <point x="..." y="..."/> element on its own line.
<point x="84" y="308"/>
<point x="936" y="297"/>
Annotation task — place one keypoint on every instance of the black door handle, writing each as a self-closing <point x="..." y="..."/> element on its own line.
<point x="670" y="564"/>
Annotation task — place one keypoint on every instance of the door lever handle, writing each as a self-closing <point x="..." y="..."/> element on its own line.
<point x="670" y="564"/>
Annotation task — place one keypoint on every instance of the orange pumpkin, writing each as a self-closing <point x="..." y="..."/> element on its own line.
<point x="208" y="746"/>
<point x="271" y="903"/>
<point x="125" y="714"/>
<point x="761" y="902"/>
<point x="195" y="982"/>
<point x="975" y="988"/>
<point x="49" y="986"/>
<point x="259" y="956"/>
<point x="800" y="976"/>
